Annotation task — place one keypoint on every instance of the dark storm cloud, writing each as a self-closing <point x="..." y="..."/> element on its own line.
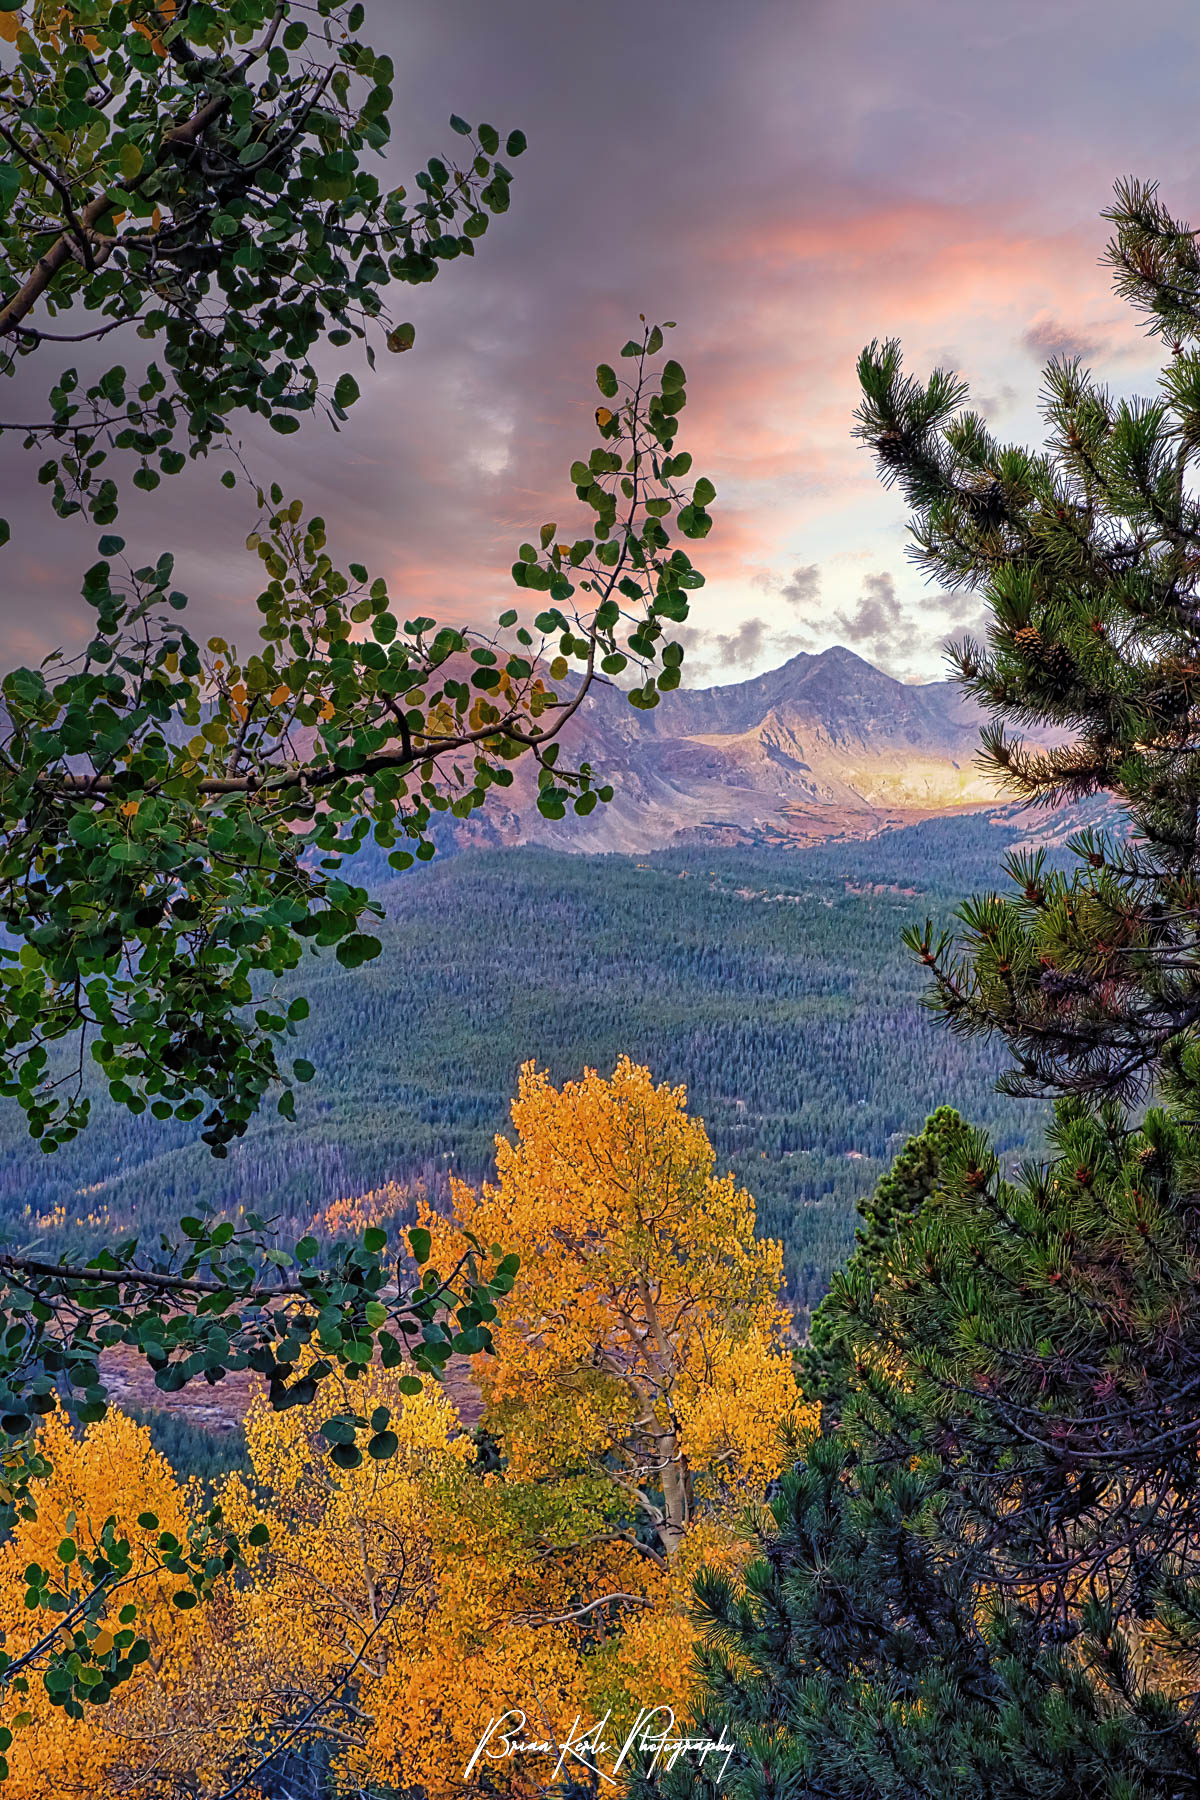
<point x="787" y="178"/>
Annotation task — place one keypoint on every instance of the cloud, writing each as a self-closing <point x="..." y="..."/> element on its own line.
<point x="742" y="646"/>
<point x="878" y="625"/>
<point x="803" y="586"/>
<point x="712" y="657"/>
<point x="992" y="406"/>
<point x="1046" y="336"/>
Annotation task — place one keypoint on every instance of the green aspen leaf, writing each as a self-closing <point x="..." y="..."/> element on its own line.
<point x="515" y="143"/>
<point x="419" y="1242"/>
<point x="302" y="1069"/>
<point x="258" y="1535"/>
<point x="402" y="338"/>
<point x="547" y="533"/>
<point x="581" y="475"/>
<point x="130" y="160"/>
<point x="459" y="125"/>
<point x="375" y="1239"/>
<point x="383" y="1445"/>
<point x="673" y="377"/>
<point x="606" y="380"/>
<point x="338" y="1431"/>
<point x="489" y="139"/>
<point x="631" y="348"/>
<point x="111" y="546"/>
<point x="4" y="531"/>
<point x="357" y="949"/>
<point x="703" y="492"/>
<point x="346" y="391"/>
<point x="654" y="342"/>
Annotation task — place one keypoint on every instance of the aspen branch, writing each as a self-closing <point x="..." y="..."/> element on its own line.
<point x="162" y="1281"/>
<point x="59" y="253"/>
<point x="578" y="1612"/>
<point x="319" y="775"/>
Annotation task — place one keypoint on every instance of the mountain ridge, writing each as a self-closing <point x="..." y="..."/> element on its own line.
<point x="824" y="746"/>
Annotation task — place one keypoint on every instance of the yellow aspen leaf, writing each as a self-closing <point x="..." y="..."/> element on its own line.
<point x="327" y="711"/>
<point x="102" y="1643"/>
<point x="10" y="25"/>
<point x="130" y="809"/>
<point x="604" y="417"/>
<point x="281" y="695"/>
<point x="156" y="219"/>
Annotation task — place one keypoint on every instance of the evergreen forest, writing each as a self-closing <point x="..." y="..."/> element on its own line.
<point x="774" y="985"/>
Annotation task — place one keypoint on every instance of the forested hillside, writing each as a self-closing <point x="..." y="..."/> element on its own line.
<point x="773" y="984"/>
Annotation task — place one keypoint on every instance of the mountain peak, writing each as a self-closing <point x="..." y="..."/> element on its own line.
<point x="825" y="745"/>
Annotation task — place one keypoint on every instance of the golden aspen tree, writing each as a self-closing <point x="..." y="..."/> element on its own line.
<point x="111" y="1472"/>
<point x="645" y="1334"/>
<point x="408" y="1596"/>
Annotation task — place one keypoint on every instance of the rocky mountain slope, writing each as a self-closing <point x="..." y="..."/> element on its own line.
<point x="824" y="747"/>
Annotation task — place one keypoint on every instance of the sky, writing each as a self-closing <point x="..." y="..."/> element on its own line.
<point x="787" y="179"/>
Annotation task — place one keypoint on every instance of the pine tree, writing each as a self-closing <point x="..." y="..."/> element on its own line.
<point x="899" y="1193"/>
<point x="986" y="1580"/>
